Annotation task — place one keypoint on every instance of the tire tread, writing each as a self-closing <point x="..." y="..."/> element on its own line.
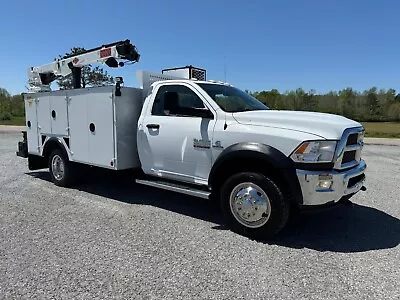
<point x="280" y="205"/>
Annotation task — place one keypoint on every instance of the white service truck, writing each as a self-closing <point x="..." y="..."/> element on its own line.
<point x="189" y="135"/>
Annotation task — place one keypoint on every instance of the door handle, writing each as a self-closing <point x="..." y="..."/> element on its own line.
<point x="155" y="126"/>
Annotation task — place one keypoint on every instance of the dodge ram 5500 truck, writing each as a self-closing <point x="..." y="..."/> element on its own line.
<point x="199" y="138"/>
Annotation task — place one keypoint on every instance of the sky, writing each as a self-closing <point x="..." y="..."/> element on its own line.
<point x="261" y="44"/>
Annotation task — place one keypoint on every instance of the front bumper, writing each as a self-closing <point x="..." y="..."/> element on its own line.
<point x="316" y="189"/>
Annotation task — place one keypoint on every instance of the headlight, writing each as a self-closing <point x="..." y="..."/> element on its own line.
<point x="315" y="151"/>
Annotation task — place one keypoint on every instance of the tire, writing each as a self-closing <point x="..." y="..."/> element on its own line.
<point x="264" y="215"/>
<point x="61" y="169"/>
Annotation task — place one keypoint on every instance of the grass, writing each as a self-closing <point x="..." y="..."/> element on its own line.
<point x="382" y="129"/>
<point x="17" y="121"/>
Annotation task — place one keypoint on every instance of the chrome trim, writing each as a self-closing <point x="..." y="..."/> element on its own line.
<point x="250" y="205"/>
<point x="353" y="147"/>
<point x="57" y="167"/>
<point x="342" y="148"/>
<point x="175" y="188"/>
<point x="312" y="195"/>
<point x="350" y="164"/>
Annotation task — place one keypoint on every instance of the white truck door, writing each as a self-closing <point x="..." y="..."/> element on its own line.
<point x="175" y="142"/>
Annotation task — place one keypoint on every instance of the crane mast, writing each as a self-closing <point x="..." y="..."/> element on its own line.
<point x="41" y="77"/>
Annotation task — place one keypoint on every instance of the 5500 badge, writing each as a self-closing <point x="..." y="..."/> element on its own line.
<point x="202" y="144"/>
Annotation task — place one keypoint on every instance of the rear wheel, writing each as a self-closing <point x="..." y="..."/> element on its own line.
<point x="254" y="205"/>
<point x="61" y="169"/>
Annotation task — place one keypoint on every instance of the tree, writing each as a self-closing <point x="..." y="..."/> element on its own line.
<point x="299" y="98"/>
<point x="329" y="102"/>
<point x="347" y="99"/>
<point x="90" y="76"/>
<point x="310" y="101"/>
<point x="4" y="93"/>
<point x="5" y="106"/>
<point x="270" y="98"/>
<point x="17" y="105"/>
<point x="372" y="102"/>
<point x="394" y="112"/>
<point x="391" y="96"/>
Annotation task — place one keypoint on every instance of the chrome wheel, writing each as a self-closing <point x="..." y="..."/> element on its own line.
<point x="57" y="167"/>
<point x="250" y="205"/>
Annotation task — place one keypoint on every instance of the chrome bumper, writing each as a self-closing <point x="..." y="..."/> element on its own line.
<point x="341" y="185"/>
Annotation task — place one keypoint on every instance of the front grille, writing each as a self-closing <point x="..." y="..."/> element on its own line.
<point x="353" y="181"/>
<point x="352" y="139"/>
<point x="349" y="156"/>
<point x="349" y="149"/>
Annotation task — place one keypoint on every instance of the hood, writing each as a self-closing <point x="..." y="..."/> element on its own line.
<point x="327" y="126"/>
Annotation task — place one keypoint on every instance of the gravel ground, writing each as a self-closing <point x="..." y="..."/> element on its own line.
<point x="110" y="239"/>
<point x="11" y="129"/>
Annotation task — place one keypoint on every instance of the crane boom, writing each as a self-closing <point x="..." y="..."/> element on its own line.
<point x="41" y="77"/>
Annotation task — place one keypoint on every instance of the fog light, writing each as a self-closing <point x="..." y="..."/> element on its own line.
<point x="325" y="184"/>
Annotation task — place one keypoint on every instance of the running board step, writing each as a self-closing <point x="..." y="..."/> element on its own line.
<point x="183" y="189"/>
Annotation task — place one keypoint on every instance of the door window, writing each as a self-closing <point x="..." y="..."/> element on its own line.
<point x="176" y="100"/>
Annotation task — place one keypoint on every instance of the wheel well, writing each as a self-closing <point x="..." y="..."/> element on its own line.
<point x="237" y="165"/>
<point x="51" y="145"/>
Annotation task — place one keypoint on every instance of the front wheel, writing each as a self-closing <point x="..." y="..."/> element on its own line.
<point x="253" y="205"/>
<point x="61" y="170"/>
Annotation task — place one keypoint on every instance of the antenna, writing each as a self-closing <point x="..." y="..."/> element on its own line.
<point x="225" y="68"/>
<point x="225" y="125"/>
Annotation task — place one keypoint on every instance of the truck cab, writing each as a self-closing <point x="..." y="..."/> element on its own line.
<point x="221" y="139"/>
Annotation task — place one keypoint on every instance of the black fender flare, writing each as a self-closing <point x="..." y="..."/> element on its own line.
<point x="259" y="151"/>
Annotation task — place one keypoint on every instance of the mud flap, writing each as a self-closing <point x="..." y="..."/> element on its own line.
<point x="36" y="162"/>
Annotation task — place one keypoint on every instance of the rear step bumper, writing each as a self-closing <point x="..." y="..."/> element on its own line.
<point x="179" y="188"/>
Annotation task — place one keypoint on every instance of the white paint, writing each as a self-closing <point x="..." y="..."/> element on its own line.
<point x="168" y="151"/>
<point x="32" y="131"/>
<point x="327" y="126"/>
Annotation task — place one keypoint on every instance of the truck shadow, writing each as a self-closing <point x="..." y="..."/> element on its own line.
<point x="345" y="228"/>
<point x="121" y="187"/>
<point x="353" y="228"/>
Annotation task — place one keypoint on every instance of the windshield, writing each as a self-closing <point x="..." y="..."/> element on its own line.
<point x="231" y="99"/>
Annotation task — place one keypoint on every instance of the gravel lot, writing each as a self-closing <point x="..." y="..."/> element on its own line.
<point x="111" y="239"/>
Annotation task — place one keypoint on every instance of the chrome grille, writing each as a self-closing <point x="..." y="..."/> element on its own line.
<point x="352" y="139"/>
<point x="348" y="152"/>
<point x="349" y="156"/>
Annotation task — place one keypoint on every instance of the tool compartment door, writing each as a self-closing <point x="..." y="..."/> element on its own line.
<point x="101" y="127"/>
<point x="31" y="124"/>
<point x="43" y="115"/>
<point x="91" y="123"/>
<point x="79" y="143"/>
<point x="58" y="114"/>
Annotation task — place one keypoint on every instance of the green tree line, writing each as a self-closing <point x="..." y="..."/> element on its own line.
<point x="11" y="106"/>
<point x="370" y="105"/>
